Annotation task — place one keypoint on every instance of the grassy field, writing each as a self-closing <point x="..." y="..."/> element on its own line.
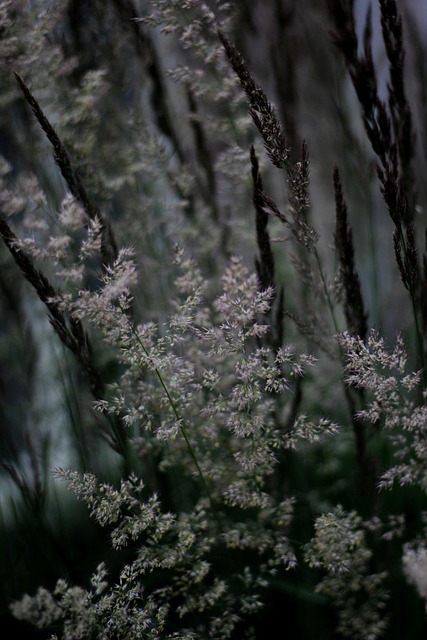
<point x="213" y="320"/>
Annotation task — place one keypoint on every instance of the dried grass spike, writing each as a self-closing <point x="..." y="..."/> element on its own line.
<point x="62" y="159"/>
<point x="262" y="112"/>
<point x="265" y="264"/>
<point x="353" y="307"/>
<point x="70" y="331"/>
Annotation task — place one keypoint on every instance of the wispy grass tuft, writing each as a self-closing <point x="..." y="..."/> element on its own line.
<point x="264" y="445"/>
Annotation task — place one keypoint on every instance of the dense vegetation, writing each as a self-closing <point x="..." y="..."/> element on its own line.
<point x="213" y="330"/>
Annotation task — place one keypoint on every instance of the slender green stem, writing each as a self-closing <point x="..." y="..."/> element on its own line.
<point x="325" y="289"/>
<point x="184" y="433"/>
<point x="179" y="420"/>
<point x="357" y="429"/>
<point x="414" y="311"/>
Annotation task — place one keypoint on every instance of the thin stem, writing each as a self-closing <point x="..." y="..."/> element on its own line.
<point x="414" y="308"/>
<point x="179" y="419"/>
<point x="325" y="289"/>
<point x="358" y="430"/>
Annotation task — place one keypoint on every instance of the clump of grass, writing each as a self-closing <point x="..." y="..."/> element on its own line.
<point x="270" y="441"/>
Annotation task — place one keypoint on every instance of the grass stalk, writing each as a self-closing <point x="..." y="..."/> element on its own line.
<point x="178" y="418"/>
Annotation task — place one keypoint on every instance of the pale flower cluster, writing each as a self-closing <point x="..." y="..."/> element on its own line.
<point x="339" y="547"/>
<point x="392" y="403"/>
<point x="414" y="562"/>
<point x="207" y="389"/>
